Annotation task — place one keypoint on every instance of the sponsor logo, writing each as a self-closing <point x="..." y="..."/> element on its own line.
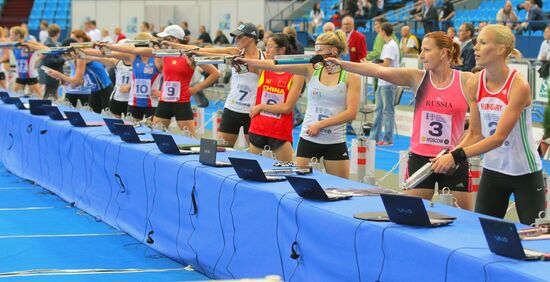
<point x="407" y="211"/>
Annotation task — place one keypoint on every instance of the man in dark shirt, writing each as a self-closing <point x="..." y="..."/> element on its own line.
<point x="220" y="39"/>
<point x="204" y="37"/>
<point x="53" y="62"/>
<point x="430" y="17"/>
<point x="448" y="15"/>
<point x="465" y="35"/>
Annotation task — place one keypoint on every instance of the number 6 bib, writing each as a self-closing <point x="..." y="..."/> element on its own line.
<point x="269" y="98"/>
<point x="171" y="91"/>
<point x="435" y="129"/>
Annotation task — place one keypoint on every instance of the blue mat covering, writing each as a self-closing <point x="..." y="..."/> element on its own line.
<point x="226" y="227"/>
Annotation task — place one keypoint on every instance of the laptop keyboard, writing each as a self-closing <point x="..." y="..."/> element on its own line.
<point x="532" y="253"/>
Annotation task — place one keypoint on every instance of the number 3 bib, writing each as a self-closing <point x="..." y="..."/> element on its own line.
<point x="435" y="129"/>
<point x="171" y="91"/>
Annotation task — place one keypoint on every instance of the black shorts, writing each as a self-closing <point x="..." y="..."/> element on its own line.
<point x="117" y="107"/>
<point x="74" y="98"/>
<point x="232" y="122"/>
<point x="260" y="141"/>
<point x="459" y="181"/>
<point x="182" y="111"/>
<point x="2" y="74"/>
<point x="99" y="100"/>
<point x="330" y="152"/>
<point x="26" y="81"/>
<point x="138" y="113"/>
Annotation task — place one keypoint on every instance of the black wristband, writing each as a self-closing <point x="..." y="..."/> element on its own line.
<point x="459" y="155"/>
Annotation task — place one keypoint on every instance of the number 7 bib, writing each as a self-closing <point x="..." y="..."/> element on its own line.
<point x="435" y="129"/>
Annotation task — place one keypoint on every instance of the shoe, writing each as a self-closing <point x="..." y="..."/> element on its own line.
<point x="383" y="143"/>
<point x="298" y="122"/>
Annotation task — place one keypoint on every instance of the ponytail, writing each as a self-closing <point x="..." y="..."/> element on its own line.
<point x="337" y="39"/>
<point x="455" y="55"/>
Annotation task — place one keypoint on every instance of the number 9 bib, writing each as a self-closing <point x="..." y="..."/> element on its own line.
<point x="171" y="91"/>
<point x="435" y="129"/>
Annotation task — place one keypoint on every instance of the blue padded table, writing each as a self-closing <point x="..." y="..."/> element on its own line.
<point x="226" y="227"/>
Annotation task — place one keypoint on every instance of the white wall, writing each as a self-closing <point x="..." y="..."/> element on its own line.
<point x="129" y="13"/>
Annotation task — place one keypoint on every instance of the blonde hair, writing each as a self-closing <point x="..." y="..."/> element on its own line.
<point x="337" y="39"/>
<point x="144" y="36"/>
<point x="503" y="35"/>
<point x="18" y="30"/>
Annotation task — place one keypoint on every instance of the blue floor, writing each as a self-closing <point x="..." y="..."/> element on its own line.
<point x="44" y="239"/>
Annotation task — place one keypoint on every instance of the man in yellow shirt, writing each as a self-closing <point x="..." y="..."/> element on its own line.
<point x="409" y="42"/>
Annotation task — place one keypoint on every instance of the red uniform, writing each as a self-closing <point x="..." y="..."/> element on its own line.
<point x="357" y="46"/>
<point x="177" y="75"/>
<point x="273" y="89"/>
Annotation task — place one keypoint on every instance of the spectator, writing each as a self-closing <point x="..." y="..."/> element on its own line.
<point x="336" y="19"/>
<point x="544" y="52"/>
<point x="357" y="45"/>
<point x="409" y="43"/>
<point x="28" y="36"/>
<point x="291" y="32"/>
<point x="448" y="15"/>
<point x="465" y="35"/>
<point x="221" y="39"/>
<point x="267" y="35"/>
<point x="451" y="32"/>
<point x="53" y="62"/>
<point x="119" y="34"/>
<point x="378" y="41"/>
<point x="204" y="37"/>
<point x="373" y="8"/>
<point x="185" y="26"/>
<point x="92" y="31"/>
<point x="43" y="35"/>
<point x="506" y="15"/>
<point x="430" y="17"/>
<point x="261" y="34"/>
<point x="328" y="27"/>
<point x="481" y="26"/>
<point x="384" y="111"/>
<point x="105" y="37"/>
<point x="533" y="18"/>
<point x="145" y="27"/>
<point x="351" y="7"/>
<point x="317" y="16"/>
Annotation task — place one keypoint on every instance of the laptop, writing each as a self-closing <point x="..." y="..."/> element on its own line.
<point x="5" y="97"/>
<point x="54" y="113"/>
<point x="128" y="133"/>
<point x="208" y="152"/>
<point x="76" y="119"/>
<point x="167" y="145"/>
<point x="410" y="210"/>
<point x="250" y="170"/>
<point x="503" y="239"/>
<point x="19" y="104"/>
<point x="110" y="122"/>
<point x="309" y="188"/>
<point x="36" y="106"/>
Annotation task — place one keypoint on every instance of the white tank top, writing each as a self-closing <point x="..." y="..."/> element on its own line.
<point x="518" y="154"/>
<point x="123" y="76"/>
<point x="2" y="70"/>
<point x="242" y="95"/>
<point x="324" y="102"/>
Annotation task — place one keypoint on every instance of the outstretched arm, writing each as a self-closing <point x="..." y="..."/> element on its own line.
<point x="400" y="76"/>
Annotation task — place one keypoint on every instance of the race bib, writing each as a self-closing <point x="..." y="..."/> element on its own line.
<point x="23" y="66"/>
<point x="171" y="91"/>
<point x="435" y="129"/>
<point x="323" y="114"/>
<point x="142" y="88"/>
<point x="125" y="79"/>
<point x="269" y="98"/>
<point x="88" y="82"/>
<point x="243" y="98"/>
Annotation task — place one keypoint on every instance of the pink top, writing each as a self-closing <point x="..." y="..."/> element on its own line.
<point x="439" y="116"/>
